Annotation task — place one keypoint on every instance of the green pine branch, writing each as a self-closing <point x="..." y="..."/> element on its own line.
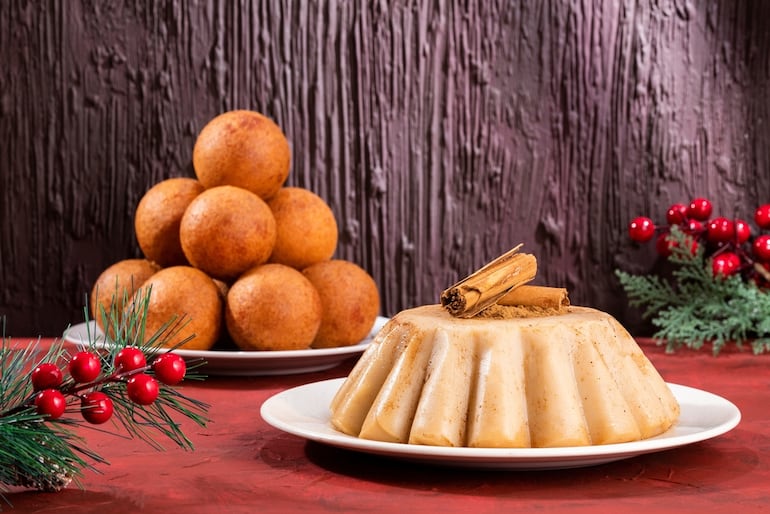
<point x="34" y="453"/>
<point x="695" y="308"/>
<point x="128" y="329"/>
<point x="47" y="454"/>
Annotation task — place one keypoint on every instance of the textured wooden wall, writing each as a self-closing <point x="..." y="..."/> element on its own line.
<point x="441" y="132"/>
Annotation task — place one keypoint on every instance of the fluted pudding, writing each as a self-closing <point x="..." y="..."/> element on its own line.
<point x="513" y="381"/>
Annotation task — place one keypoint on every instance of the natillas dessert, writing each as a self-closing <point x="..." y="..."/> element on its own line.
<point x="504" y="365"/>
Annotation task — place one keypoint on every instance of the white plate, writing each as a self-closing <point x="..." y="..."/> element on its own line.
<point x="239" y="363"/>
<point x="304" y="411"/>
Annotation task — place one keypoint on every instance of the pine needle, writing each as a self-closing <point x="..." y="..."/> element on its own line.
<point x="46" y="454"/>
<point x="695" y="308"/>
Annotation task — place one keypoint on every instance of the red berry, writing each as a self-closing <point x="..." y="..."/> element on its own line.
<point x="142" y="389"/>
<point x="666" y="244"/>
<point x="742" y="231"/>
<point x="725" y="264"/>
<point x="762" y="216"/>
<point x="720" y="230"/>
<point x="676" y="214"/>
<point x="130" y="358"/>
<point x="50" y="402"/>
<point x="700" y="209"/>
<point x="762" y="248"/>
<point x="46" y="376"/>
<point x="694" y="226"/>
<point x="169" y="368"/>
<point x="663" y="245"/>
<point x="96" y="407"/>
<point x="84" y="367"/>
<point x="641" y="229"/>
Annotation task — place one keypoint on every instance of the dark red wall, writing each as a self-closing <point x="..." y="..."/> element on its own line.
<point x="442" y="133"/>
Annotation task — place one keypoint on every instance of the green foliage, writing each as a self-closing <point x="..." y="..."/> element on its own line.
<point x="695" y="308"/>
<point x="128" y="329"/>
<point x="47" y="454"/>
<point x="33" y="453"/>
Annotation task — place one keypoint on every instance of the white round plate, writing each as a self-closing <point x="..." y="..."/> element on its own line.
<point x="240" y="363"/>
<point x="304" y="411"/>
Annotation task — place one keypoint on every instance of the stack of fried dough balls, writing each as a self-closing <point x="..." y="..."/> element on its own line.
<point x="239" y="254"/>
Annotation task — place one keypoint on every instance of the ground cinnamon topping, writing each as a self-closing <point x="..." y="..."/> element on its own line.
<point x="518" y="311"/>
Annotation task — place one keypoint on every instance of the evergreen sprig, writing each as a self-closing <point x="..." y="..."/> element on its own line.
<point x="34" y="453"/>
<point x="47" y="454"/>
<point x="695" y="307"/>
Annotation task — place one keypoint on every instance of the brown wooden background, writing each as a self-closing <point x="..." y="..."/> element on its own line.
<point x="441" y="132"/>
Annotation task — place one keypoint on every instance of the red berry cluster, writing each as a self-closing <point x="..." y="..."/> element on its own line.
<point x="725" y="239"/>
<point x="85" y="370"/>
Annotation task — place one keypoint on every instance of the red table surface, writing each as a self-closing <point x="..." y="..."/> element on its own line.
<point x="241" y="464"/>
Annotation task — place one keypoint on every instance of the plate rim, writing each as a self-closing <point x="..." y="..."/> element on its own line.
<point x="251" y="355"/>
<point x="518" y="458"/>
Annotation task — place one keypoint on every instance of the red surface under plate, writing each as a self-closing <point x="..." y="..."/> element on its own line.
<point x="241" y="464"/>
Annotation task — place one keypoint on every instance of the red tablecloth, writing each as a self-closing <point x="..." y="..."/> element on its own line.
<point x="241" y="464"/>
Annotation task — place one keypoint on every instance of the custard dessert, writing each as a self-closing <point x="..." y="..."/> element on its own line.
<point x="516" y="377"/>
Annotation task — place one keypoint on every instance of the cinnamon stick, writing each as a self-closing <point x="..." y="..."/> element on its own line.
<point x="487" y="285"/>
<point x="538" y="296"/>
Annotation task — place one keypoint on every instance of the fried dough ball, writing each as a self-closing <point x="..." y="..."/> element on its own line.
<point x="306" y="228"/>
<point x="227" y="230"/>
<point x="158" y="216"/>
<point x="272" y="307"/>
<point x="244" y="149"/>
<point x="350" y="301"/>
<point x="116" y="283"/>
<point x="187" y="295"/>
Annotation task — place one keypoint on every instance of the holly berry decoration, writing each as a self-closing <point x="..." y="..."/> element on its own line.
<point x="641" y="229"/>
<point x="96" y="407"/>
<point x="716" y="286"/>
<point x="727" y="241"/>
<point x="742" y="231"/>
<point x="761" y="248"/>
<point x="699" y="209"/>
<point x="169" y="368"/>
<point x="45" y="376"/>
<point x="720" y="230"/>
<point x="130" y="358"/>
<point x="676" y="214"/>
<point x="142" y="389"/>
<point x="44" y="393"/>
<point x="725" y="264"/>
<point x="84" y="367"/>
<point x="51" y="403"/>
<point x="762" y="216"/>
